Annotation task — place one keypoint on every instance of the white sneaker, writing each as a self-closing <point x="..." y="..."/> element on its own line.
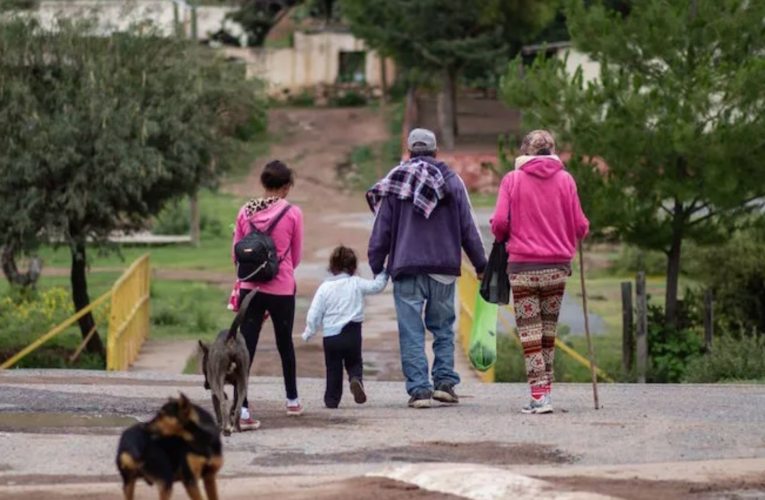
<point x="538" y="406"/>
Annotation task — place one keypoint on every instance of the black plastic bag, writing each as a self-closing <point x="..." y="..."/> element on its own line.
<point x="495" y="287"/>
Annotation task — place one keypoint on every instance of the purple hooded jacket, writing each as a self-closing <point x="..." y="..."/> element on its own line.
<point x="415" y="245"/>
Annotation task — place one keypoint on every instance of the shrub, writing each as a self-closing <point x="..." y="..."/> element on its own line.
<point x="25" y="318"/>
<point x="632" y="259"/>
<point x="175" y="219"/>
<point x="672" y="349"/>
<point x="349" y="99"/>
<point x="735" y="271"/>
<point x="305" y="99"/>
<point x="731" y="359"/>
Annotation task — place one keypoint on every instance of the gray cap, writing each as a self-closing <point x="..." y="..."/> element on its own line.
<point x="421" y="141"/>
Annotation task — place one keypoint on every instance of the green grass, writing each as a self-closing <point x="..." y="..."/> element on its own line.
<point x="214" y="252"/>
<point x="179" y="310"/>
<point x="483" y="200"/>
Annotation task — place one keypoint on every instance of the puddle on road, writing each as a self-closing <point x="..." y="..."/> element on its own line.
<point x="20" y="421"/>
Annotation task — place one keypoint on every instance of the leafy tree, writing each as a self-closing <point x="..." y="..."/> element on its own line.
<point x="447" y="36"/>
<point x="97" y="133"/>
<point x="258" y="18"/>
<point x="677" y="114"/>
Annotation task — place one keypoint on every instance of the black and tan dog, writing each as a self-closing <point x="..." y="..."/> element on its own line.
<point x="227" y="361"/>
<point x="181" y="443"/>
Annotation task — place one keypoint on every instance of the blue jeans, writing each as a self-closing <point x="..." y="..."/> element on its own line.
<point x="412" y="294"/>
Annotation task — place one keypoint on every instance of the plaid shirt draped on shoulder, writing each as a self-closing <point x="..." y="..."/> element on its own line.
<point x="414" y="180"/>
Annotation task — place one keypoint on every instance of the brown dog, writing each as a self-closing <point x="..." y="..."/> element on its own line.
<point x="181" y="443"/>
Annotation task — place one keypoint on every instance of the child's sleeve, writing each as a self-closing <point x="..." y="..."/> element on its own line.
<point x="315" y="315"/>
<point x="375" y="286"/>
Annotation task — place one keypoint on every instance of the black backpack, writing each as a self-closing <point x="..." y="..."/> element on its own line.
<point x="255" y="254"/>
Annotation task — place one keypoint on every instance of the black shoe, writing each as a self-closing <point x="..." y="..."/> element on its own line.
<point x="445" y="394"/>
<point x="357" y="388"/>
<point x="421" y="398"/>
<point x="332" y="405"/>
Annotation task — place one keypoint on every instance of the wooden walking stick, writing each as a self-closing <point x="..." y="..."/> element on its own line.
<point x="587" y="328"/>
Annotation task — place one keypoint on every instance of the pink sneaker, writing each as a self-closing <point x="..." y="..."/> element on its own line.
<point x="295" y="411"/>
<point x="249" y="424"/>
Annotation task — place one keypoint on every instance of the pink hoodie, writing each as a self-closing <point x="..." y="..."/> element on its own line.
<point x="288" y="238"/>
<point x="538" y="212"/>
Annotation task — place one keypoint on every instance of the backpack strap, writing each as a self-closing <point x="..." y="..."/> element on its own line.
<point x="277" y="219"/>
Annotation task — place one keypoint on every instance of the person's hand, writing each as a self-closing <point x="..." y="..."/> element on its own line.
<point x="306" y="337"/>
<point x="479" y="276"/>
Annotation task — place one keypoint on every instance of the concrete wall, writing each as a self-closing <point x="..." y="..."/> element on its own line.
<point x="590" y="68"/>
<point x="314" y="60"/>
<point x="118" y="15"/>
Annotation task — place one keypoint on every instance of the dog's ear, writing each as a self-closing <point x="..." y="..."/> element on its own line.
<point x="186" y="411"/>
<point x="184" y="406"/>
<point x="205" y="348"/>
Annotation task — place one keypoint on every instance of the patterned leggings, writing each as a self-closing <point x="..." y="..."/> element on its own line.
<point x="537" y="297"/>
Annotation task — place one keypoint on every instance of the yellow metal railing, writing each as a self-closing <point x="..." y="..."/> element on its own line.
<point x="129" y="322"/>
<point x="129" y="319"/>
<point x="467" y="288"/>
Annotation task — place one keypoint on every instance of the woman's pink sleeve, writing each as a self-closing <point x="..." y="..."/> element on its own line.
<point x="500" y="221"/>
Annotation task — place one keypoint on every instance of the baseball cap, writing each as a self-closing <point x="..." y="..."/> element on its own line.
<point x="421" y="140"/>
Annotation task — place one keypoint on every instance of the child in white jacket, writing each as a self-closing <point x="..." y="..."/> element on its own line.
<point x="338" y="310"/>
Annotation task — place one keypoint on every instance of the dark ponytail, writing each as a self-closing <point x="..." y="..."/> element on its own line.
<point x="343" y="260"/>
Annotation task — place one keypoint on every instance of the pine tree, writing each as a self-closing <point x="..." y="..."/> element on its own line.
<point x="677" y="114"/>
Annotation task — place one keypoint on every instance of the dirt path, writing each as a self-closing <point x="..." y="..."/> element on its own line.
<point x="313" y="142"/>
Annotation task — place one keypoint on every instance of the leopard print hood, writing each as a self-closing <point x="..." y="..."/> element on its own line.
<point x="256" y="205"/>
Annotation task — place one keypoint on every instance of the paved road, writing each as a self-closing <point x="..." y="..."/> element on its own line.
<point x="62" y="427"/>
<point x="638" y="424"/>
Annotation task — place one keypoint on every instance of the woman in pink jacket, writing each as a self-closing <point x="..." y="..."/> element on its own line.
<point x="539" y="215"/>
<point x="276" y="297"/>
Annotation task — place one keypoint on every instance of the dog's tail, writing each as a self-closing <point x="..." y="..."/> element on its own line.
<point x="240" y="316"/>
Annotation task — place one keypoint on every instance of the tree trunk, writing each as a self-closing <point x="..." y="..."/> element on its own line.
<point x="673" y="266"/>
<point x="445" y="110"/>
<point x="383" y="83"/>
<point x="81" y="299"/>
<point x="194" y="220"/>
<point x="454" y="76"/>
<point x="11" y="270"/>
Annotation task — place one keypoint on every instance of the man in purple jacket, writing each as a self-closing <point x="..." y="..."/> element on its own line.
<point x="423" y="221"/>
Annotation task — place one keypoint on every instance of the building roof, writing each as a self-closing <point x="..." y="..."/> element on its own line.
<point x="531" y="49"/>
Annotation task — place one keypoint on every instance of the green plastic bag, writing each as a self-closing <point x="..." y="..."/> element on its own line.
<point x="483" y="336"/>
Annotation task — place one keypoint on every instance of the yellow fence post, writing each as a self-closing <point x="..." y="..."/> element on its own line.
<point x="129" y="323"/>
<point x="129" y="319"/>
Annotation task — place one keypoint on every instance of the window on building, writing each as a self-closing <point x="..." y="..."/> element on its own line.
<point x="352" y="67"/>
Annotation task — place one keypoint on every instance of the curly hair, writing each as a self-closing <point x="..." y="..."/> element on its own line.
<point x="343" y="260"/>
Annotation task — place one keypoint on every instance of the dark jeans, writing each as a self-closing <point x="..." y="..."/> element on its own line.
<point x="282" y="311"/>
<point x="343" y="348"/>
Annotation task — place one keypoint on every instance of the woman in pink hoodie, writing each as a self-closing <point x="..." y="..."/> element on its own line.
<point x="539" y="215"/>
<point x="276" y="297"/>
